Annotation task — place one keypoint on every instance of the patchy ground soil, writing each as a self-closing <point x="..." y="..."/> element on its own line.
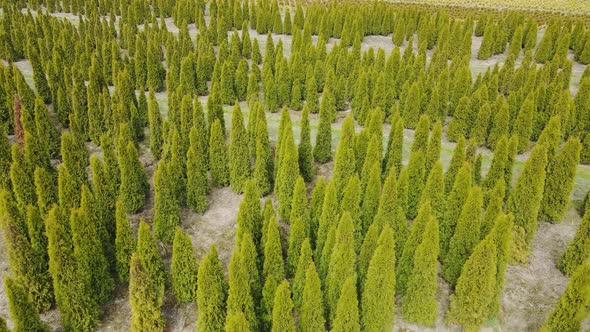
<point x="531" y="291"/>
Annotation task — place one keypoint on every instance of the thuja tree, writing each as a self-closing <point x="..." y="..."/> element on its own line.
<point x="378" y="296"/>
<point x="183" y="268"/>
<point x="78" y="309"/>
<point x="578" y="250"/>
<point x="347" y="313"/>
<point x="211" y="293"/>
<point x="249" y="219"/>
<point x="305" y="150"/>
<point x="560" y="181"/>
<point x="419" y="304"/>
<point x="149" y="255"/>
<point x="239" y="159"/>
<point x="239" y="295"/>
<point x="22" y="311"/>
<point x="454" y="206"/>
<point x="282" y="312"/>
<point x="342" y="263"/>
<point x="134" y="183"/>
<point x="299" y="221"/>
<point x="322" y="150"/>
<point x="218" y="159"/>
<point x="475" y="288"/>
<point x="26" y="265"/>
<point x="145" y="312"/>
<point x="465" y="237"/>
<point x="312" y="317"/>
<point x="572" y="306"/>
<point x="196" y="172"/>
<point x="125" y="243"/>
<point x="287" y="173"/>
<point x="166" y="207"/>
<point x="525" y="200"/>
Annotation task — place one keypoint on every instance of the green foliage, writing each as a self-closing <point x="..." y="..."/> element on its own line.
<point x="282" y="316"/>
<point x="287" y="173"/>
<point x="378" y="295"/>
<point x="155" y="126"/>
<point x="416" y="182"/>
<point x="239" y="158"/>
<point x="465" y="237"/>
<point x="560" y="181"/>
<point x="459" y="125"/>
<point x="494" y="207"/>
<point x="371" y="197"/>
<point x="149" y="255"/>
<point x="305" y="152"/>
<point x="125" y="243"/>
<point x="500" y="125"/>
<point x="572" y="306"/>
<point x="28" y="264"/>
<point x="250" y="261"/>
<point x="342" y="264"/>
<point x="218" y="158"/>
<point x="322" y="150"/>
<point x="305" y="258"/>
<point x="454" y="206"/>
<point x="434" y="191"/>
<point x="311" y="317"/>
<point x="344" y="165"/>
<point x="351" y="203"/>
<point x="249" y="217"/>
<point x="394" y="153"/>
<point x="419" y="303"/>
<point x="525" y="200"/>
<point x="183" y="268"/>
<point x="475" y="287"/>
<point x="196" y="172"/>
<point x="91" y="260"/>
<point x="523" y="127"/>
<point x="22" y="311"/>
<point x="237" y="322"/>
<point x="145" y="301"/>
<point x="578" y="250"/>
<point x="239" y="295"/>
<point x="21" y="177"/>
<point x="347" y="312"/>
<point x="211" y="293"/>
<point x="405" y="267"/>
<point x="264" y="165"/>
<point x="78" y="309"/>
<point x="299" y="229"/>
<point x="456" y="163"/>
<point x="166" y="207"/>
<point x="134" y="183"/>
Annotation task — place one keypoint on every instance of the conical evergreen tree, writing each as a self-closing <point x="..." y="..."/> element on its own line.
<point x="197" y="179"/>
<point x="166" y="207"/>
<point x="351" y="203"/>
<point x="311" y="317"/>
<point x="560" y="181"/>
<point x="282" y="316"/>
<point x="394" y="153"/>
<point x="416" y="182"/>
<point x="454" y="207"/>
<point x="134" y="183"/>
<point x="344" y="165"/>
<point x="456" y="163"/>
<point x="145" y="302"/>
<point x="264" y="165"/>
<point x="23" y="313"/>
<point x="273" y="269"/>
<point x="249" y="217"/>
<point x="149" y="255"/>
<point x="305" y="151"/>
<point x="330" y="212"/>
<point x="342" y="263"/>
<point x="125" y="243"/>
<point x="525" y="200"/>
<point x="218" y="159"/>
<point x="239" y="297"/>
<point x="183" y="268"/>
<point x="299" y="229"/>
<point x="523" y="127"/>
<point x="250" y="260"/>
<point x="72" y="294"/>
<point x="239" y="160"/>
<point x="287" y="173"/>
<point x="405" y="267"/>
<point x="322" y="150"/>
<point x="495" y="204"/>
<point x="27" y="263"/>
<point x="371" y="197"/>
<point x="419" y="303"/>
<point x="305" y="258"/>
<point x="378" y="295"/>
<point x="578" y="250"/>
<point x="90" y="258"/>
<point x="211" y="293"/>
<point x="570" y="310"/>
<point x="475" y="288"/>
<point x="155" y="126"/>
<point x="466" y="236"/>
<point x="434" y="191"/>
<point x="347" y="312"/>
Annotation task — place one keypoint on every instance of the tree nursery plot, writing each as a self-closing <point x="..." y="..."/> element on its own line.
<point x="233" y="165"/>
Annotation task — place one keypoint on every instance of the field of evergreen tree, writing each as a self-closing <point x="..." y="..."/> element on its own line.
<point x="233" y="165"/>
